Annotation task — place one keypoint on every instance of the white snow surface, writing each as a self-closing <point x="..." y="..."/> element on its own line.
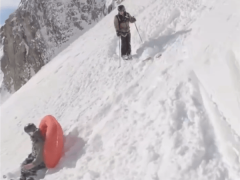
<point x="171" y="117"/>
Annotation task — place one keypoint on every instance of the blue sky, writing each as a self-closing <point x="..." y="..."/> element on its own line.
<point x="5" y="14"/>
<point x="6" y="8"/>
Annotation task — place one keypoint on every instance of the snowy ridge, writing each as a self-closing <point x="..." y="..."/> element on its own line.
<point x="174" y="116"/>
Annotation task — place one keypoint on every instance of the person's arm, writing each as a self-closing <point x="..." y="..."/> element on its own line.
<point x="39" y="158"/>
<point x="39" y="152"/>
<point x="132" y="19"/>
<point x="116" y="24"/>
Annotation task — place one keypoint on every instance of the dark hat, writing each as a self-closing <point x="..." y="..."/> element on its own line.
<point x="121" y="8"/>
<point x="30" y="127"/>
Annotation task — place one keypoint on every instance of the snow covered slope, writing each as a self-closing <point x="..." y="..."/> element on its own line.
<point x="40" y="29"/>
<point x="171" y="117"/>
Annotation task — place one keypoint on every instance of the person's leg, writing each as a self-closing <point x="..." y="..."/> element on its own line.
<point x="26" y="173"/>
<point x="128" y="42"/>
<point x="23" y="172"/>
<point x="123" y="46"/>
<point x="39" y="167"/>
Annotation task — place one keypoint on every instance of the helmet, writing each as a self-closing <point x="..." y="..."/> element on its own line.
<point x="30" y="128"/>
<point x="121" y="8"/>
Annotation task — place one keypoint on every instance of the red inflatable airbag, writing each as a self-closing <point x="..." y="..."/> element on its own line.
<point x="53" y="135"/>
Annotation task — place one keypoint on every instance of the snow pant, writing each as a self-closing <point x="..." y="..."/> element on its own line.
<point x="31" y="172"/>
<point x="126" y="44"/>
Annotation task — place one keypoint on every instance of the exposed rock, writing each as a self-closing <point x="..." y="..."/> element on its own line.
<point x="32" y="35"/>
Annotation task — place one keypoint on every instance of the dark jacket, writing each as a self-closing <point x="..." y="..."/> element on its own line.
<point x="121" y="23"/>
<point x="37" y="147"/>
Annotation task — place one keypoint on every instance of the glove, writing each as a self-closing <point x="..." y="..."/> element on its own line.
<point x="134" y="19"/>
<point x="118" y="34"/>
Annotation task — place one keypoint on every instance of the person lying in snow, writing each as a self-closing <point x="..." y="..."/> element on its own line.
<point x="35" y="160"/>
<point x="121" y="23"/>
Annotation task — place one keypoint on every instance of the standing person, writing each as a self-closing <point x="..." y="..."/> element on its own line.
<point x="121" y="23"/>
<point x="35" y="160"/>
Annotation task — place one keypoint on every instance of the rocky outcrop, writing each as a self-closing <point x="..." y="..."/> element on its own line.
<point x="33" y="33"/>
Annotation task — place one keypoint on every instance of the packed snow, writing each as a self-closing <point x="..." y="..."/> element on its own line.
<point x="171" y="113"/>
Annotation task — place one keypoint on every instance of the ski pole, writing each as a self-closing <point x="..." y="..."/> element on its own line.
<point x="119" y="51"/>
<point x="138" y="32"/>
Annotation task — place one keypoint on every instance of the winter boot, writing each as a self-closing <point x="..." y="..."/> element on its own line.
<point x="22" y="178"/>
<point x="125" y="57"/>
<point x="129" y="56"/>
<point x="30" y="178"/>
